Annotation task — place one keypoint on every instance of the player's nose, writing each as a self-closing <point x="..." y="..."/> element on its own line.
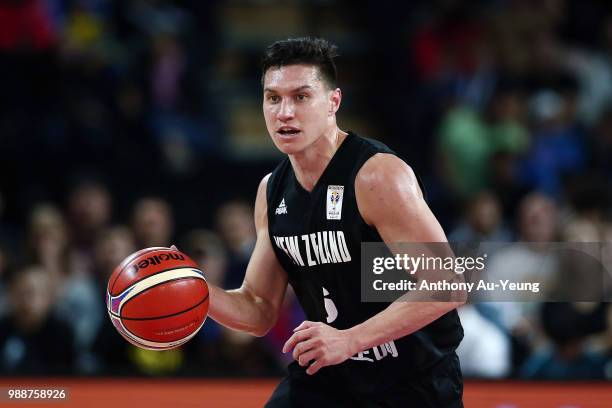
<point x="286" y="111"/>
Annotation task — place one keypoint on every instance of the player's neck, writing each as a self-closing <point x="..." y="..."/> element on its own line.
<point x="309" y="164"/>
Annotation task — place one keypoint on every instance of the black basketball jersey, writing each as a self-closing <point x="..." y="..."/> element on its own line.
<point x="317" y="239"/>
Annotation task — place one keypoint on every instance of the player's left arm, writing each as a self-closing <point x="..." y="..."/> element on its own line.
<point x="390" y="200"/>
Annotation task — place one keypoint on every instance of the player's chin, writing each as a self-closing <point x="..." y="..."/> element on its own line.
<point x="289" y="144"/>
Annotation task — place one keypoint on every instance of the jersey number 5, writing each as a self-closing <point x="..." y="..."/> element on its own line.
<point x="330" y="307"/>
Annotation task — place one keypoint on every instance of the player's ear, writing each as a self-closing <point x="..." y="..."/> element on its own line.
<point x="335" y="98"/>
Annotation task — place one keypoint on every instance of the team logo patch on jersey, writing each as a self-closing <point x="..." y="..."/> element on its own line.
<point x="282" y="208"/>
<point x="334" y="202"/>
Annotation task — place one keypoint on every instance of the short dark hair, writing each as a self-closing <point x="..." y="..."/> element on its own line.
<point x="303" y="50"/>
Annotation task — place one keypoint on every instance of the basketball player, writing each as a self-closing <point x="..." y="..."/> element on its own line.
<point x="347" y="353"/>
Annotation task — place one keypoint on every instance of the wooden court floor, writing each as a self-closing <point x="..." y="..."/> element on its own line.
<point x="145" y="393"/>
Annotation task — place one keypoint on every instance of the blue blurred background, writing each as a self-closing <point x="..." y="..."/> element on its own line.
<point x="128" y="124"/>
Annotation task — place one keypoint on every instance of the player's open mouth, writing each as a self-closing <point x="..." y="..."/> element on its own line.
<point x="287" y="131"/>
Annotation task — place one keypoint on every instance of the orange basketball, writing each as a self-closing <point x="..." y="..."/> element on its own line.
<point x="157" y="298"/>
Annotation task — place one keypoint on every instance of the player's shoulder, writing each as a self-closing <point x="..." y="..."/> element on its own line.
<point x="264" y="180"/>
<point x="263" y="186"/>
<point x="384" y="168"/>
<point x="261" y="202"/>
<point x="382" y="184"/>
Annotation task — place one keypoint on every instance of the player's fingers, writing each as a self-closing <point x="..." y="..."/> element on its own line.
<point x="303" y="347"/>
<point x="174" y="248"/>
<point x="304" y="325"/>
<point x="307" y="357"/>
<point x="314" y="367"/>
<point x="296" y="338"/>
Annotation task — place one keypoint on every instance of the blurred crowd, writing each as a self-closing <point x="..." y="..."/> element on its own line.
<point x="518" y="97"/>
<point x="53" y="312"/>
<point x="115" y="136"/>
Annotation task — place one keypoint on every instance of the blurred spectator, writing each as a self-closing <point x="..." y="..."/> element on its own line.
<point x="173" y="130"/>
<point x="507" y="118"/>
<point x="78" y="303"/>
<point x="74" y="294"/>
<point x="168" y="69"/>
<point x="483" y="221"/>
<point x="32" y="339"/>
<point x="537" y="223"/>
<point x="567" y="325"/>
<point x="593" y="69"/>
<point x="582" y="273"/>
<point x="464" y="150"/>
<point x="589" y="201"/>
<point x="505" y="183"/>
<point x="48" y="241"/>
<point x="530" y="261"/>
<point x="510" y="139"/>
<point x="468" y="140"/>
<point x="109" y="351"/>
<point x="152" y="222"/>
<point x="208" y="251"/>
<point x="89" y="212"/>
<point x="112" y="246"/>
<point x="237" y="229"/>
<point x="485" y="350"/>
<point x="537" y="220"/>
<point x="558" y="146"/>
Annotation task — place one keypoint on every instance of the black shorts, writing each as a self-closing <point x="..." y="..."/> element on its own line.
<point x="442" y="387"/>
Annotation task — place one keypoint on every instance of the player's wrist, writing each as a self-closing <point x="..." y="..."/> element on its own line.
<point x="354" y="340"/>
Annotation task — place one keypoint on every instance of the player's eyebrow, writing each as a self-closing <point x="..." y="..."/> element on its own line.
<point x="298" y="89"/>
